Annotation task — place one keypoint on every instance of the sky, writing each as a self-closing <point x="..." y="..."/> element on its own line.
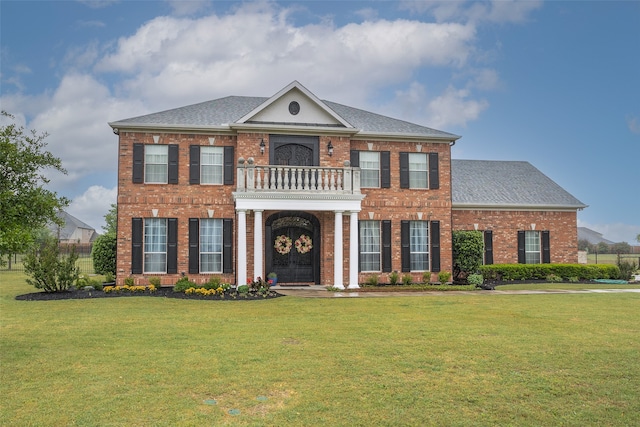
<point x="553" y="83"/>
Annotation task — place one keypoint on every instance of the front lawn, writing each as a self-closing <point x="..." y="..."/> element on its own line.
<point x="455" y="360"/>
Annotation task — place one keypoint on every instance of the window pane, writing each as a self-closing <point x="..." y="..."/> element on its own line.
<point x="211" y="163"/>
<point x="369" y="169"/>
<point x="156" y="159"/>
<point x="418" y="171"/>
<point x="369" y="245"/>
<point x="155" y="245"/>
<point x="211" y="245"/>
<point x="532" y="247"/>
<point x="419" y="245"/>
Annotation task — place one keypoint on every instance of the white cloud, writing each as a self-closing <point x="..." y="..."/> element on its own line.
<point x="217" y="56"/>
<point x="495" y="11"/>
<point x="92" y="205"/>
<point x="616" y="232"/>
<point x="634" y="124"/>
<point x="454" y="108"/>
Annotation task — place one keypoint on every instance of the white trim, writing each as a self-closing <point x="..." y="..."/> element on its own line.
<point x="338" y="252"/>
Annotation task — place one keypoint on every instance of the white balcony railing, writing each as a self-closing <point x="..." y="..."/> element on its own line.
<point x="306" y="179"/>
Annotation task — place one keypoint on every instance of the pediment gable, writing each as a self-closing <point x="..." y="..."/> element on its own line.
<point x="294" y="106"/>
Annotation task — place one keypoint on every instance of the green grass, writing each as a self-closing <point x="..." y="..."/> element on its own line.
<point x="445" y="359"/>
<point x="566" y="286"/>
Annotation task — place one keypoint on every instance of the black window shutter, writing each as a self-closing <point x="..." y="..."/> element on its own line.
<point x="194" y="164"/>
<point x="435" y="246"/>
<point x="386" y="245"/>
<point x="136" y="245"/>
<point x="522" y="259"/>
<point x="434" y="177"/>
<point x="227" y="245"/>
<point x="405" y="248"/>
<point x="228" y="165"/>
<point x="404" y="170"/>
<point x="385" y="169"/>
<point x="488" y="247"/>
<point x="194" y="246"/>
<point x="173" y="164"/>
<point x="355" y="158"/>
<point x="172" y="245"/>
<point x="138" y="163"/>
<point x="546" y="248"/>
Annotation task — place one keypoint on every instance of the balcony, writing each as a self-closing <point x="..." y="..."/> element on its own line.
<point x="297" y="187"/>
<point x="292" y="179"/>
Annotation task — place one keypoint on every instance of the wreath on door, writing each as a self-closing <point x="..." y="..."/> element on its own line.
<point x="304" y="244"/>
<point x="282" y="244"/>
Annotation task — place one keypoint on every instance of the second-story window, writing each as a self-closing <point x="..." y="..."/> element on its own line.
<point x="370" y="169"/>
<point x="419" y="171"/>
<point x="211" y="165"/>
<point x="156" y="164"/>
<point x="374" y="168"/>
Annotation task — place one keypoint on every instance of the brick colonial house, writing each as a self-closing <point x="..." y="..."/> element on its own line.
<point x="319" y="193"/>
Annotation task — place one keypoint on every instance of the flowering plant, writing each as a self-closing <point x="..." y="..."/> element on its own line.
<point x="304" y="244"/>
<point x="283" y="244"/>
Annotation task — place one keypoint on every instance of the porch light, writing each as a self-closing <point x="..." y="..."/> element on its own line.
<point x="262" y="146"/>
<point x="330" y="149"/>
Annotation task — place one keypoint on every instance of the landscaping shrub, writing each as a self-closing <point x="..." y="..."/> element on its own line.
<point x="104" y="254"/>
<point x="372" y="280"/>
<point x="155" y="281"/>
<point x="406" y="279"/>
<point x="48" y="270"/>
<point x="509" y="272"/>
<point x="183" y="284"/>
<point x="554" y="278"/>
<point x="393" y="278"/>
<point x="444" y="276"/>
<point x="626" y="269"/>
<point x="468" y="248"/>
<point x="475" y="279"/>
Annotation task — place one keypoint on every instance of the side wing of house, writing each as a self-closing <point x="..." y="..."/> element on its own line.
<point x="524" y="215"/>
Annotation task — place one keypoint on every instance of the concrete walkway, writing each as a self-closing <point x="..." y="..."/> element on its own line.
<point x="321" y="292"/>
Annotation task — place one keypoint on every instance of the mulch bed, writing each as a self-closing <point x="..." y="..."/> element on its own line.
<point x="162" y="292"/>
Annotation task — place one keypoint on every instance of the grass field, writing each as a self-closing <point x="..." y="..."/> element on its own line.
<point x="446" y="359"/>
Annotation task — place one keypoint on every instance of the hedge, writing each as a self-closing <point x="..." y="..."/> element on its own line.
<point x="541" y="271"/>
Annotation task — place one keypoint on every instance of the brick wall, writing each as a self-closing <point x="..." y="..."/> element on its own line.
<point x="562" y="227"/>
<point x="185" y="201"/>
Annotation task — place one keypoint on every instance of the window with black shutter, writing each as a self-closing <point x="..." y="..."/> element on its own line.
<point x="227" y="245"/>
<point x="488" y="247"/>
<point x="172" y="172"/>
<point x="194" y="164"/>
<point x="405" y="248"/>
<point x="194" y="246"/>
<point x="172" y="245"/>
<point x="386" y="245"/>
<point x="136" y="245"/>
<point x="546" y="248"/>
<point x="138" y="163"/>
<point x="435" y="246"/>
<point x="228" y="165"/>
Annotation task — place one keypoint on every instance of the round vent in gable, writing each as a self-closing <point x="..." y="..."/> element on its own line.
<point x="294" y="108"/>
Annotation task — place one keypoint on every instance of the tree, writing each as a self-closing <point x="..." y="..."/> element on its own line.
<point x="468" y="248"/>
<point x="638" y="238"/>
<point x="621" y="248"/>
<point x="47" y="269"/>
<point x="25" y="204"/>
<point x="111" y="219"/>
<point x="105" y="247"/>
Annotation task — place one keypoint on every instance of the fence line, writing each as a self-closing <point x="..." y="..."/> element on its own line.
<point x="15" y="262"/>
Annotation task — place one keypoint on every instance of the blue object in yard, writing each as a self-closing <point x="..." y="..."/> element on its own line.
<point x="612" y="281"/>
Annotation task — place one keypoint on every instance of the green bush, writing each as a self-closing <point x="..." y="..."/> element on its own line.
<point x="475" y="279"/>
<point x="626" y="269"/>
<point x="373" y="280"/>
<point x="406" y="279"/>
<point x="104" y="254"/>
<point x="553" y="278"/>
<point x="468" y="250"/>
<point x="394" y="277"/>
<point x="243" y="289"/>
<point x="155" y="281"/>
<point x="49" y="270"/>
<point x="509" y="272"/>
<point x="183" y="284"/>
<point x="444" y="276"/>
<point x="212" y="283"/>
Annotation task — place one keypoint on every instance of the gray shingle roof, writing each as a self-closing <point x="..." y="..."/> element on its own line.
<point x="487" y="183"/>
<point x="224" y="111"/>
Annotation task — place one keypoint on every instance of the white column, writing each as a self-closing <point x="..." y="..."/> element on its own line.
<point x="337" y="252"/>
<point x="241" y="268"/>
<point x="257" y="244"/>
<point x="353" y="251"/>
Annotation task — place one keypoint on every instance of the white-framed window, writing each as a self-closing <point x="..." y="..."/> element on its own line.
<point x="211" y="245"/>
<point x="419" y="245"/>
<point x="211" y="165"/>
<point x="155" y="245"/>
<point x="369" y="169"/>
<point x="418" y="170"/>
<point x="370" y="245"/>
<point x="532" y="247"/>
<point x="156" y="164"/>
